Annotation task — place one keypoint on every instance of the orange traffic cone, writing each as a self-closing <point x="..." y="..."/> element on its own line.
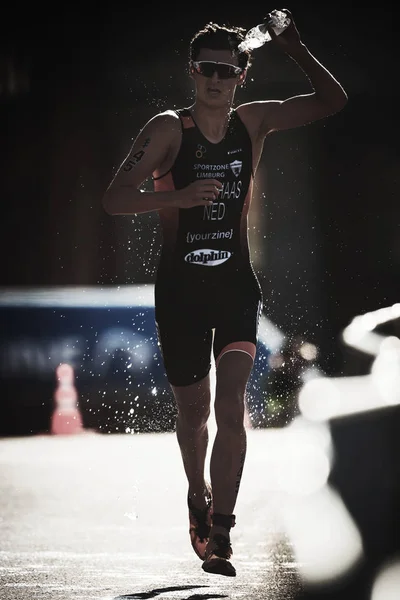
<point x="66" y="418"/>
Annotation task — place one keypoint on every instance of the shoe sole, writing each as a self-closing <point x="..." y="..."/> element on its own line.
<point x="219" y="566"/>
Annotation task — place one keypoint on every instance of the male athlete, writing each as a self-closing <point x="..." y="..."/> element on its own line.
<point x="203" y="159"/>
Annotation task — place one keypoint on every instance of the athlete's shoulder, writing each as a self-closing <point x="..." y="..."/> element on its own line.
<point x="255" y="114"/>
<point x="249" y="113"/>
<point x="255" y="109"/>
<point x="165" y="127"/>
<point x="166" y="119"/>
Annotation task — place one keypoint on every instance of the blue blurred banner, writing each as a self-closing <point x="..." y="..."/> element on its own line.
<point x="108" y="336"/>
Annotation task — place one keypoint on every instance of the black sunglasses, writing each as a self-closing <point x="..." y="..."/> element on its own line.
<point x="209" y="67"/>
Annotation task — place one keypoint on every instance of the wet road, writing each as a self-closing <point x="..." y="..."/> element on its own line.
<point x="104" y="517"/>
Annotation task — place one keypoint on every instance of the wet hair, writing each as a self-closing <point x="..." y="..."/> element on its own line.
<point x="220" y="37"/>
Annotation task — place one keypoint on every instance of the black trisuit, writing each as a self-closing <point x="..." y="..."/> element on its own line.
<point x="205" y="280"/>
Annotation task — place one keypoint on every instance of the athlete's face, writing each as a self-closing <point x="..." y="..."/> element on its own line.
<point x="216" y="75"/>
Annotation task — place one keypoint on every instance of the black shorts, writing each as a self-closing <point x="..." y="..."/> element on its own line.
<point x="190" y="328"/>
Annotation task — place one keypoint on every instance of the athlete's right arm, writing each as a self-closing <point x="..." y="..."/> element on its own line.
<point x="148" y="153"/>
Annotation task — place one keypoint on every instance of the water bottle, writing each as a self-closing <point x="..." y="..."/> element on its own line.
<point x="258" y="35"/>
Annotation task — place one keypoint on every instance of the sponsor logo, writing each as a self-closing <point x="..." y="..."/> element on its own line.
<point x="212" y="168"/>
<point x="209" y="235"/>
<point x="207" y="257"/>
<point x="234" y="151"/>
<point x="200" y="152"/>
<point x="236" y="167"/>
<point x="216" y="175"/>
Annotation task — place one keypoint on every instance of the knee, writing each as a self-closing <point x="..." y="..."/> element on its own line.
<point x="193" y="418"/>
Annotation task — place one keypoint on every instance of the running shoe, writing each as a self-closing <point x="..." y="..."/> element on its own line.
<point x="218" y="554"/>
<point x="200" y="524"/>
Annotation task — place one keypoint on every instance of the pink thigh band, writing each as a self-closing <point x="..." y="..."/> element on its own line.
<point x="246" y="347"/>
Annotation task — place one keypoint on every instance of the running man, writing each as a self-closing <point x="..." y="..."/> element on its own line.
<point x="203" y="159"/>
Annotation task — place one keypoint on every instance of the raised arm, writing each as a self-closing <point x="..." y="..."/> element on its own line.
<point x="153" y="150"/>
<point x="327" y="97"/>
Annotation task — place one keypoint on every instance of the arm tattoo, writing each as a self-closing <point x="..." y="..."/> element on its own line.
<point x="137" y="157"/>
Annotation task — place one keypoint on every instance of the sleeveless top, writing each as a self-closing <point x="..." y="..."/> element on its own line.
<point x="207" y="246"/>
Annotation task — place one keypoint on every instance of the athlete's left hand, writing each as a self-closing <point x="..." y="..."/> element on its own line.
<point x="289" y="39"/>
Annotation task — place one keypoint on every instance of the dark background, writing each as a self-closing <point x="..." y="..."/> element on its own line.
<point x="77" y="83"/>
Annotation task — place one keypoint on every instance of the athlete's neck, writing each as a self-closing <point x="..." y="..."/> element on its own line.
<point x="213" y="122"/>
